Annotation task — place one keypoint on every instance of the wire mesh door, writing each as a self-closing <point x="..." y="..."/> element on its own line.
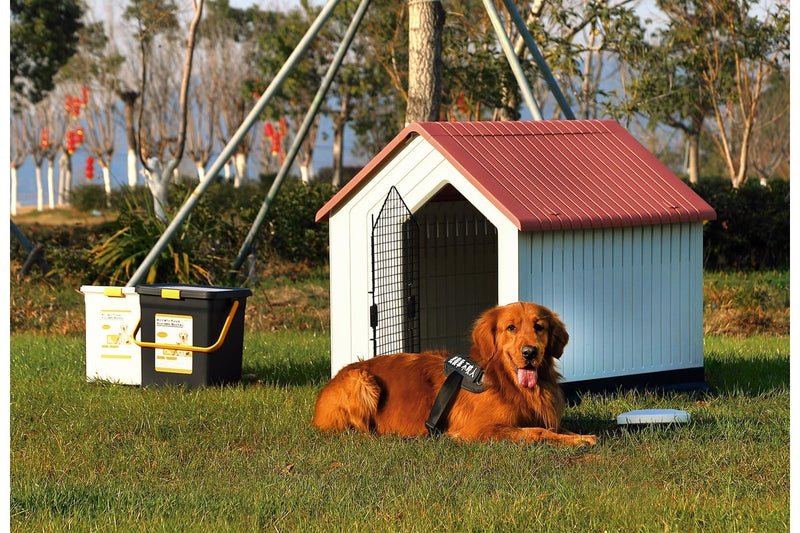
<point x="394" y="313"/>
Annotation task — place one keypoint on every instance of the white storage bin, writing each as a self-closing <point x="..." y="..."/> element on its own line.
<point x="111" y="316"/>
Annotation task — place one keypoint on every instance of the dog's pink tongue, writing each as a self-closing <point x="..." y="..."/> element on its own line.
<point x="526" y="378"/>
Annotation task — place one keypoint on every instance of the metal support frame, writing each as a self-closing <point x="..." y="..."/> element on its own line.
<point x="302" y="132"/>
<point x="544" y="69"/>
<point x="513" y="60"/>
<point x="234" y="141"/>
<point x="516" y="67"/>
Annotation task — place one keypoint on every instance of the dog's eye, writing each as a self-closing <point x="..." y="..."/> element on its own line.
<point x="538" y="327"/>
<point x="512" y="328"/>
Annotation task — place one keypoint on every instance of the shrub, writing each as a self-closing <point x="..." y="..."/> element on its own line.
<point x="86" y="198"/>
<point x="66" y="248"/>
<point x="199" y="252"/>
<point x="207" y="243"/>
<point x="292" y="232"/>
<point x="752" y="226"/>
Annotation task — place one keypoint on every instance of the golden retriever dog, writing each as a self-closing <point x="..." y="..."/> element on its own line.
<point x="516" y="345"/>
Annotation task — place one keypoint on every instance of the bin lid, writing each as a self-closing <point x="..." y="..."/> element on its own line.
<point x="180" y="291"/>
<point x="107" y="291"/>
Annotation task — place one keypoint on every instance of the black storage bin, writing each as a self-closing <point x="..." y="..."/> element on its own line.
<point x="177" y="315"/>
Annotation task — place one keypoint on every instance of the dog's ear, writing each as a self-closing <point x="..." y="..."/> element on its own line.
<point x="483" y="336"/>
<point x="558" y="337"/>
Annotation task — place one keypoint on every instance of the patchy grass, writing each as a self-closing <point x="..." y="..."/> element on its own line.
<point x="295" y="295"/>
<point x="291" y="296"/>
<point x="245" y="458"/>
<point x="742" y="304"/>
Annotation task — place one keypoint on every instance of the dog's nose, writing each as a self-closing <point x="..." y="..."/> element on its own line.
<point x="529" y="352"/>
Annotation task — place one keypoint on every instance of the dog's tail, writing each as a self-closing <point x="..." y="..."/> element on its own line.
<point x="350" y="400"/>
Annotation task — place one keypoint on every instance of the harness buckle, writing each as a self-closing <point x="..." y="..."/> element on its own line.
<point x="471" y="372"/>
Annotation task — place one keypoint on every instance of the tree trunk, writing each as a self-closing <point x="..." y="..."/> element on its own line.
<point x="693" y="166"/>
<point x="158" y="181"/>
<point x="51" y="189"/>
<point x="306" y="171"/>
<point x="160" y="173"/>
<point x="65" y="170"/>
<point x="338" y="141"/>
<point x="133" y="179"/>
<point x="741" y="175"/>
<point x="107" y="183"/>
<point x="339" y="123"/>
<point x="425" y="24"/>
<point x="227" y="169"/>
<point x="39" y="188"/>
<point x="14" y="187"/>
<point x="241" y="168"/>
<point x="61" y="196"/>
<point x="129" y="100"/>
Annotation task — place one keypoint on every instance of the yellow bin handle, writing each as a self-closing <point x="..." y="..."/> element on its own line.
<point x="203" y="349"/>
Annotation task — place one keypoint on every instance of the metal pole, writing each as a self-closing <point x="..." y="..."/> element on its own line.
<point x="234" y="141"/>
<point x="539" y="59"/>
<point x="302" y="132"/>
<point x="513" y="60"/>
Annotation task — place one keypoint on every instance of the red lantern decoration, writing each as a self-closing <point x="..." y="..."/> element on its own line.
<point x="43" y="140"/>
<point x="89" y="168"/>
<point x="70" y="143"/>
<point x="276" y="143"/>
<point x="84" y="96"/>
<point x="79" y="135"/>
<point x="72" y="105"/>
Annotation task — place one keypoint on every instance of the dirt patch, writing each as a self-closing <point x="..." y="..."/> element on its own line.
<point x="60" y="216"/>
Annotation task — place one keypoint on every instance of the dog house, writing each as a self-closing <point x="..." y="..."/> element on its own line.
<point x="452" y="218"/>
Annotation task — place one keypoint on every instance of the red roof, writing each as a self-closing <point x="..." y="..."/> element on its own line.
<point x="553" y="174"/>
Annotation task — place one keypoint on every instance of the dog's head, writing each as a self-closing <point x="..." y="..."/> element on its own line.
<point x="522" y="337"/>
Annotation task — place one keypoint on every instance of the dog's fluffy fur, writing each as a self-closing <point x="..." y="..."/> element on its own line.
<point x="515" y="344"/>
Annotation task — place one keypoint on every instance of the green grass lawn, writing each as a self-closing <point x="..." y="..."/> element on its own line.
<point x="245" y="458"/>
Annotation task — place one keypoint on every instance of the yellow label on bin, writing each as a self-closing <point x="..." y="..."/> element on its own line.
<point x="171" y="294"/>
<point x="176" y="330"/>
<point x="114" y="292"/>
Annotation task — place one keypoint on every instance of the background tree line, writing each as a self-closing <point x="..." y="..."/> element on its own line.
<point x="703" y="84"/>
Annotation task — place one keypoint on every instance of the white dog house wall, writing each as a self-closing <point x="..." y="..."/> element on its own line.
<point x="452" y="218"/>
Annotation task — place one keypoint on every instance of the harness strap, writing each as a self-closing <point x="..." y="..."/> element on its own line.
<point x="443" y="402"/>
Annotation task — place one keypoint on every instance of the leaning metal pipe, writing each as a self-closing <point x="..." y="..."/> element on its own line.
<point x="234" y="141"/>
<point x="539" y="59"/>
<point x="513" y="60"/>
<point x="302" y="132"/>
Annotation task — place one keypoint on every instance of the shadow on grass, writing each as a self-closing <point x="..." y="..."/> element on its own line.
<point x="288" y="373"/>
<point x="752" y="377"/>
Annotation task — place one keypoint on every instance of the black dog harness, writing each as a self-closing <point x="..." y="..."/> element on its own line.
<point x="462" y="373"/>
